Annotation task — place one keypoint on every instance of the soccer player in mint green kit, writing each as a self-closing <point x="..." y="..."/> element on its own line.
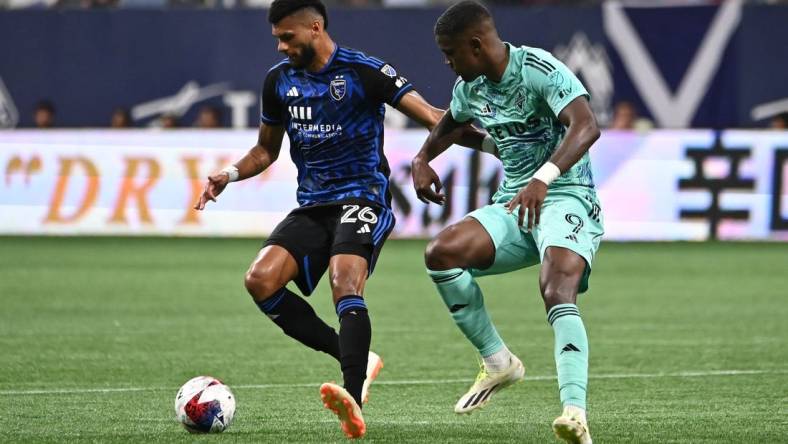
<point x="546" y="210"/>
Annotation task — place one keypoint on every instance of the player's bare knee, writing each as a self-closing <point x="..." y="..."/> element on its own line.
<point x="343" y="284"/>
<point x="261" y="282"/>
<point x="442" y="253"/>
<point x="436" y="255"/>
<point x="561" y="288"/>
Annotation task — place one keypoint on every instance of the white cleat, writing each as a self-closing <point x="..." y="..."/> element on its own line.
<point x="487" y="384"/>
<point x="374" y="364"/>
<point x="572" y="427"/>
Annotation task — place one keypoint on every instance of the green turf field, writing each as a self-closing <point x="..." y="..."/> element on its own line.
<point x="688" y="344"/>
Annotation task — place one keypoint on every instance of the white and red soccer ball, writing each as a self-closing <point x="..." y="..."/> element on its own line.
<point x="205" y="405"/>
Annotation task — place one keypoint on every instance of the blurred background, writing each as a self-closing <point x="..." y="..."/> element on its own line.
<point x="693" y="95"/>
<point x="113" y="112"/>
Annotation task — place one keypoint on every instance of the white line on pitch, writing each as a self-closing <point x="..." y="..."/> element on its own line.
<point x="685" y="374"/>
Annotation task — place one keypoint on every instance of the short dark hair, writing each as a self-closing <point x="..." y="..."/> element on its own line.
<point x="282" y="8"/>
<point x="460" y="17"/>
<point x="45" y="105"/>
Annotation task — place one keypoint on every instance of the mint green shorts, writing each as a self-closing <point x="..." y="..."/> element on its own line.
<point x="571" y="218"/>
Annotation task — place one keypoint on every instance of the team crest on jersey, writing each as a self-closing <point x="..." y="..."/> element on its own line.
<point x="519" y="102"/>
<point x="388" y="70"/>
<point x="337" y="88"/>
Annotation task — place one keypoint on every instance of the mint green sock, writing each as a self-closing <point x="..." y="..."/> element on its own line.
<point x="571" y="354"/>
<point x="463" y="297"/>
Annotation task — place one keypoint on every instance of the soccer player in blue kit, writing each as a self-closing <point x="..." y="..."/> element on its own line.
<point x="330" y="101"/>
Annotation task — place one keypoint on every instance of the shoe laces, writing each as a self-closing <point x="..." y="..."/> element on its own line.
<point x="482" y="372"/>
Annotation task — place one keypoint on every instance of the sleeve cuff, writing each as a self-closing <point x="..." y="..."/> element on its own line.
<point x="569" y="100"/>
<point x="457" y="118"/>
<point x="269" y="121"/>
<point x="398" y="96"/>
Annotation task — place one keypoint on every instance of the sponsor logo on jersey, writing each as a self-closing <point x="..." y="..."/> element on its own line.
<point x="337" y="88"/>
<point x="300" y="112"/>
<point x="388" y="70"/>
<point x="487" y="110"/>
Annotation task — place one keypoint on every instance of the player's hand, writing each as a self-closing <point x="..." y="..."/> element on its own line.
<point x="213" y="188"/>
<point x="529" y="198"/>
<point x="424" y="177"/>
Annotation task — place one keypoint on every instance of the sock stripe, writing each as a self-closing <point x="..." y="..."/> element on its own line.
<point x="443" y="279"/>
<point x="350" y="303"/>
<point x="560" y="311"/>
<point x="564" y="311"/>
<point x="271" y="303"/>
<point x="552" y="319"/>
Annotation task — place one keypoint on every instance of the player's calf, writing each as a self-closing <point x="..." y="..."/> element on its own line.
<point x="298" y="320"/>
<point x="355" y="335"/>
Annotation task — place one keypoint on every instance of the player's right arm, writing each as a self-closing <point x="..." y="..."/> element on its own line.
<point x="442" y="136"/>
<point x="260" y="157"/>
<point x="451" y="128"/>
<point x="264" y="153"/>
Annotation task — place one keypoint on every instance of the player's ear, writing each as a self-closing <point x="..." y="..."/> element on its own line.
<point x="476" y="45"/>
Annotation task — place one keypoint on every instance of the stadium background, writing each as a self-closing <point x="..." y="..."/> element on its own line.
<point x="98" y="331"/>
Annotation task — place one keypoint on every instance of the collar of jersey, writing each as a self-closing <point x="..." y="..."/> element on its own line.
<point x="326" y="66"/>
<point x="507" y="73"/>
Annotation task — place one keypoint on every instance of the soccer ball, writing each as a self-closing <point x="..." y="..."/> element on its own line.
<point x="205" y="405"/>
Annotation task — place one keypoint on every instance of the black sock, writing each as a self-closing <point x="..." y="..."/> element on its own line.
<point x="355" y="334"/>
<point x="299" y="321"/>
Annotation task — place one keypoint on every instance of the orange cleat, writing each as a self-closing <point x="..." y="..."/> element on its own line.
<point x="339" y="401"/>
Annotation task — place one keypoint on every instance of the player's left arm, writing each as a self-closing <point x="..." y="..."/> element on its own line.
<point x="582" y="131"/>
<point x="561" y="90"/>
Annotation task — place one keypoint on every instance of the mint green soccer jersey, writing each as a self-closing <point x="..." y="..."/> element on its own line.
<point x="521" y="114"/>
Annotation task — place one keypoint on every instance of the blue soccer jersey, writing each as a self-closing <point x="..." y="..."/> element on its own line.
<point x="334" y="119"/>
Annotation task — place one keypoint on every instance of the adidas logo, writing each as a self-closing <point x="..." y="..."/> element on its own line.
<point x="571" y="237"/>
<point x="364" y="229"/>
<point x="569" y="348"/>
<point x="482" y="396"/>
<point x="292" y="92"/>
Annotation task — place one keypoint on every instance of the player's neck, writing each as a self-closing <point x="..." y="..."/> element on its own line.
<point x="323" y="51"/>
<point x="499" y="60"/>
